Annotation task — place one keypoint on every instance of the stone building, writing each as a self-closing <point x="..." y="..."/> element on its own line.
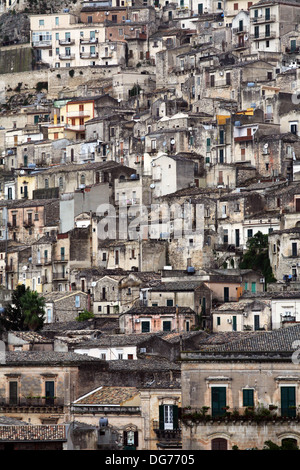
<point x="252" y="397"/>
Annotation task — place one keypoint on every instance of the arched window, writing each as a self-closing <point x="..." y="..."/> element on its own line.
<point x="219" y="444"/>
<point x="46" y="183"/>
<point x="289" y="444"/>
<point x="82" y="179"/>
<point x="60" y="182"/>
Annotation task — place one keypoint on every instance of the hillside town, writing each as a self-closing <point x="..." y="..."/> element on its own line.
<point x="149" y="225"/>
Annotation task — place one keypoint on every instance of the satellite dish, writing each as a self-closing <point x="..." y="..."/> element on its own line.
<point x="152" y="186"/>
<point x="24" y="268"/>
<point x="22" y="172"/>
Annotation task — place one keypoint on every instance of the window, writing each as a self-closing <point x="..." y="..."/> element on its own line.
<point x="167" y="325"/>
<point x="82" y="179"/>
<point x="256" y="32"/>
<point x="169" y="302"/>
<point x="248" y="397"/>
<point x="267" y="30"/>
<point x="49" y="392"/>
<point x="56" y="21"/>
<point x="256" y="322"/>
<point x="41" y="22"/>
<point x="77" y="301"/>
<point x="212" y="80"/>
<point x="294" y="249"/>
<point x="226" y="294"/>
<point x="218" y="401"/>
<point x="13" y="392"/>
<point x="235" y="6"/>
<point x="103" y="356"/>
<point x="218" y="321"/>
<point x="267" y="13"/>
<point x="145" y="326"/>
<point x="130" y="439"/>
<point x="89" y="19"/>
<point x="288" y="401"/>
<point x="168" y="417"/>
<point x="225" y="235"/>
<point x="61" y="182"/>
<point x="250" y="233"/>
<point x="294" y="127"/>
<point x="253" y="286"/>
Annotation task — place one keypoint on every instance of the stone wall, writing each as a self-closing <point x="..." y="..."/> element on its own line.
<point x="241" y="434"/>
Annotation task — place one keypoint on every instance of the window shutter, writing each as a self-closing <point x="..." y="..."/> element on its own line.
<point x="161" y="417"/>
<point x="175" y="417"/>
<point x="136" y="438"/>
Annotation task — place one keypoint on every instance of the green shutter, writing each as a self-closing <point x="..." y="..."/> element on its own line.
<point x="175" y="417"/>
<point x="248" y="397"/>
<point x="218" y="400"/>
<point x="288" y="401"/>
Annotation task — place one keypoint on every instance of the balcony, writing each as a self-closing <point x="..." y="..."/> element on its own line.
<point x="292" y="50"/>
<point x="89" y="55"/>
<point x="167" y="437"/>
<point x="74" y="114"/>
<point x="60" y="276"/>
<point x="243" y="138"/>
<point x="130" y="202"/>
<point x="244" y="30"/>
<point x="88" y="40"/>
<point x="62" y="259"/>
<point x="32" y="405"/>
<point x="78" y="128"/>
<point x="263" y="36"/>
<point x="263" y="19"/>
<point x="66" y="42"/>
<point x="66" y="56"/>
<point x="42" y="44"/>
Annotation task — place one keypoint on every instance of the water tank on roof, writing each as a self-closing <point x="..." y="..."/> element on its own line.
<point x="103" y="422"/>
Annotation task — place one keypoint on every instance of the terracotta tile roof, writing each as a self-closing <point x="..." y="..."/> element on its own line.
<point x="109" y="396"/>
<point x="27" y="432"/>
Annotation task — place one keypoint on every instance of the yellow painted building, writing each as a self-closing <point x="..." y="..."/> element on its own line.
<point x="26" y="184"/>
<point x="74" y="114"/>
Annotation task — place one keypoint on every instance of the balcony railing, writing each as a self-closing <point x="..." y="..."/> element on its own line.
<point x="31" y="402"/>
<point x="243" y="138"/>
<point x="89" y="55"/>
<point x="59" y="276"/>
<point x="67" y="56"/>
<point x="42" y="43"/>
<point x="292" y="50"/>
<point x="89" y="41"/>
<point x="66" y="42"/>
<point x="79" y="113"/>
<point x="166" y="434"/>
<point x="263" y="19"/>
<point x="258" y="37"/>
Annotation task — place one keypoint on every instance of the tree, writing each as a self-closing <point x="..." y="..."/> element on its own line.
<point x="84" y="315"/>
<point x="32" y="305"/>
<point x="257" y="257"/>
<point x="25" y="312"/>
